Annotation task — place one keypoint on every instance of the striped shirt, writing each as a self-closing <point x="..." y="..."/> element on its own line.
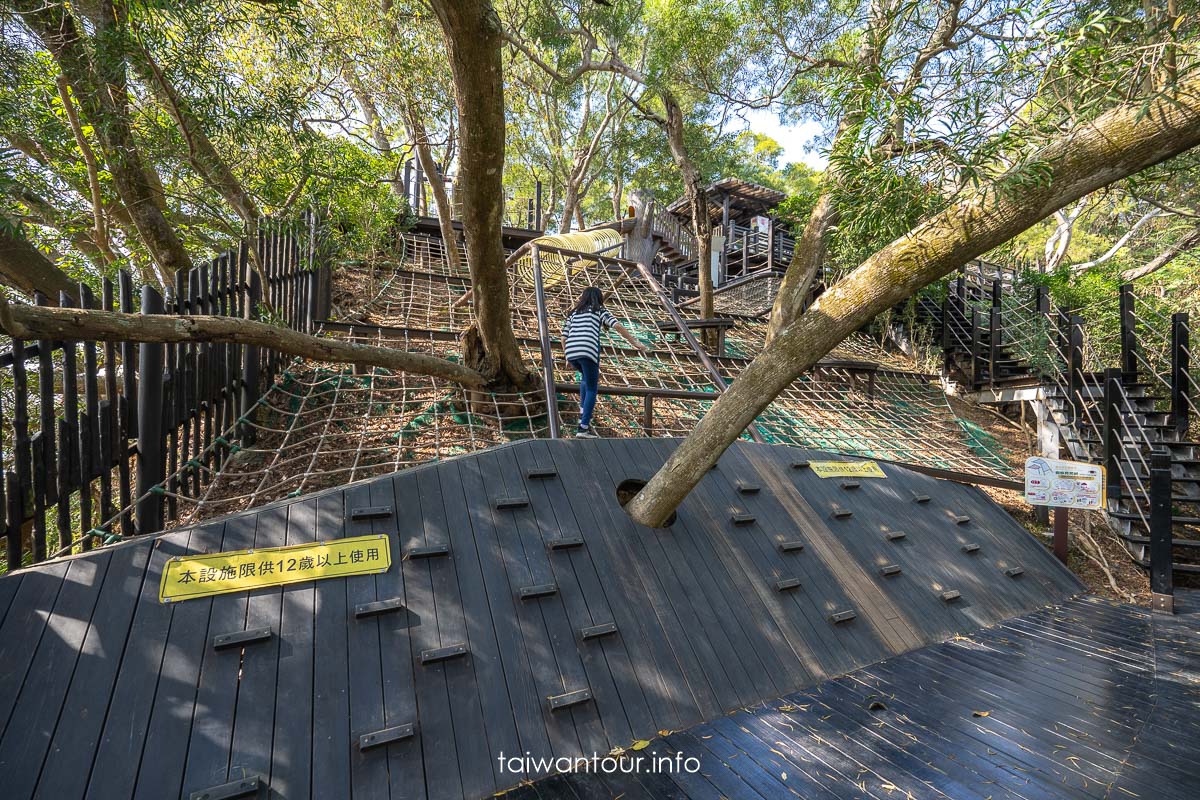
<point x="581" y="334"/>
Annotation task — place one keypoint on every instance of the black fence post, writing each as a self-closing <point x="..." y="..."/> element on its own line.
<point x="1041" y="296"/>
<point x="946" y="334"/>
<point x="250" y="365"/>
<point x="1075" y="366"/>
<point x="537" y="199"/>
<point x="1112" y="433"/>
<point x="994" y="341"/>
<point x="1180" y="410"/>
<point x="150" y="471"/>
<point x="1128" y="333"/>
<point x="976" y="344"/>
<point x="1162" y="589"/>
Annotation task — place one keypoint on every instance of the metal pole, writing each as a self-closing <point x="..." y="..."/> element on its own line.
<point x="544" y="335"/>
<point x="1162" y="587"/>
<point x="1060" y="534"/>
<point x="537" y="196"/>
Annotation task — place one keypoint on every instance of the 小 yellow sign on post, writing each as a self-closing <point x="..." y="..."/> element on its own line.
<point x="187" y="577"/>
<point x="846" y="469"/>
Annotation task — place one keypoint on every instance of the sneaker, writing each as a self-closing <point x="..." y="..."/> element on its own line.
<point x="586" y="433"/>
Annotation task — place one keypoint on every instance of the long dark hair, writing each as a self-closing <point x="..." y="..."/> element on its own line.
<point x="592" y="299"/>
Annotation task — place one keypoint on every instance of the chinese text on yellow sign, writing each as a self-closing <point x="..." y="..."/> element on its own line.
<point x="185" y="577"/>
<point x="846" y="469"/>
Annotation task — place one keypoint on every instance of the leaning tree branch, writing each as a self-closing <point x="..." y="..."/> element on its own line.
<point x="1187" y="242"/>
<point x="1118" y="143"/>
<point x="41" y="322"/>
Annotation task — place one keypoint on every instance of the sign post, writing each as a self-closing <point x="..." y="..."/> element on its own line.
<point x="1063" y="485"/>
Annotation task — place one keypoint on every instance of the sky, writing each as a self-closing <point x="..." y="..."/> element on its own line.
<point x="793" y="138"/>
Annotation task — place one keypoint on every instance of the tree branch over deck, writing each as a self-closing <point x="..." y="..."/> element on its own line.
<point x="40" y="322"/>
<point x="1118" y="143"/>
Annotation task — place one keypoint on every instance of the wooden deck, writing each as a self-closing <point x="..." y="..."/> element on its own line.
<point x="772" y="580"/>
<point x="1089" y="699"/>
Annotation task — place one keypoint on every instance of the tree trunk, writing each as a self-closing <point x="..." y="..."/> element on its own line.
<point x="99" y="224"/>
<point x="808" y="256"/>
<point x="570" y="202"/>
<point x="445" y="212"/>
<point x="473" y="42"/>
<point x="807" y="259"/>
<point x="371" y="112"/>
<point x="696" y="195"/>
<point x="1117" y="144"/>
<point x="1187" y="242"/>
<point x="40" y="322"/>
<point x="99" y="86"/>
<point x="23" y="267"/>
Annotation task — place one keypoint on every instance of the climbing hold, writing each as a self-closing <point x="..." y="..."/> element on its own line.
<point x="428" y="551"/>
<point x="540" y="590"/>
<point x="596" y="631"/>
<point x="385" y="736"/>
<point x="569" y="699"/>
<point x="443" y="653"/>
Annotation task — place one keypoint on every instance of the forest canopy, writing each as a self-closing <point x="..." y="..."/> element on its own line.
<point x="151" y="135"/>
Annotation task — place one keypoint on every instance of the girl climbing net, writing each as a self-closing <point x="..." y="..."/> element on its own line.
<point x="581" y="343"/>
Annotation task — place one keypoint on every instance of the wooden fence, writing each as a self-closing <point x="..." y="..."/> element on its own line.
<point x="106" y="440"/>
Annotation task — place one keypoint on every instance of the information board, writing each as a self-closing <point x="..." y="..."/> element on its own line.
<point x="1063" y="484"/>
<point x="185" y="577"/>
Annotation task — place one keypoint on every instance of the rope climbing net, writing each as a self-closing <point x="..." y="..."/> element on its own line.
<point x="320" y="426"/>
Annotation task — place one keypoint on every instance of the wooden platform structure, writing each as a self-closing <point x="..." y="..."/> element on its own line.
<point x="526" y="614"/>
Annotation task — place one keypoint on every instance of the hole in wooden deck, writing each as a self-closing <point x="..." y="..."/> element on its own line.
<point x="626" y="490"/>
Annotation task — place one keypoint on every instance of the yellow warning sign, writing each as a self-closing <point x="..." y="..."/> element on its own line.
<point x="186" y="577"/>
<point x="846" y="469"/>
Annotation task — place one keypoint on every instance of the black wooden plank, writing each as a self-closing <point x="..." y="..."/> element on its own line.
<point x="487" y="667"/>
<point x="331" y="671"/>
<point x="254" y="718"/>
<point x="420" y="491"/>
<point x="27" y="731"/>
<point x="620" y="701"/>
<point x="515" y="527"/>
<point x="703" y="676"/>
<point x="64" y="772"/>
<point x="131" y="702"/>
<point x="165" y="754"/>
<point x="292" y="745"/>
<point x="804" y="643"/>
<point x="654" y="665"/>
<point x="8" y="588"/>
<point x="752" y="646"/>
<point x="365" y="679"/>
<point x="523" y="693"/>
<point x="207" y="762"/>
<point x="696" y="597"/>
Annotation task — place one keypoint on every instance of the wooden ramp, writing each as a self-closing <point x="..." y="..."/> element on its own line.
<point x="1090" y="699"/>
<point x="524" y="615"/>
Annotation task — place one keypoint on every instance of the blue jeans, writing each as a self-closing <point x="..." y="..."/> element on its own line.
<point x="589" y="382"/>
